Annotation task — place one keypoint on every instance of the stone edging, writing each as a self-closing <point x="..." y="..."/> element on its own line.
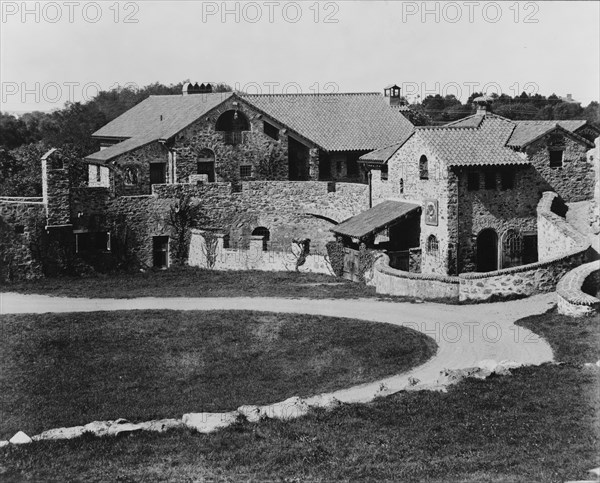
<point x="569" y="290"/>
<point x="383" y="266"/>
<point x="291" y="408"/>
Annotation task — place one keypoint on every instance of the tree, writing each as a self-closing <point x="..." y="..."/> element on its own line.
<point x="183" y="215"/>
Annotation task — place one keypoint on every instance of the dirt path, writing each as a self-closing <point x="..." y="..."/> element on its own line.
<point x="465" y="334"/>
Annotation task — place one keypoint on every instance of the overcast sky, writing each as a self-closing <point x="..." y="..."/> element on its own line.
<point x="52" y="52"/>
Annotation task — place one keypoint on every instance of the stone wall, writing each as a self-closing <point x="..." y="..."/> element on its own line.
<point x="388" y="280"/>
<point x="521" y="281"/>
<point x="20" y="224"/>
<point x="555" y="235"/>
<point x="573" y="292"/>
<point x="574" y="181"/>
<point x="404" y="183"/>
<point x="252" y="258"/>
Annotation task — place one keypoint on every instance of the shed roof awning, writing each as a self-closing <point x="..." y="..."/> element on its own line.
<point x="375" y="219"/>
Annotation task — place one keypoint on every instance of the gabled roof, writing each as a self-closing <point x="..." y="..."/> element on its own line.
<point x="527" y="132"/>
<point x="177" y="112"/>
<point x="336" y="122"/>
<point x="375" y="219"/>
<point x="158" y="117"/>
<point x="473" y="146"/>
<point x="382" y="155"/>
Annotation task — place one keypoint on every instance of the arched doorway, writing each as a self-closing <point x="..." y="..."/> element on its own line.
<point x="487" y="251"/>
<point x="206" y="164"/>
<point x="265" y="233"/>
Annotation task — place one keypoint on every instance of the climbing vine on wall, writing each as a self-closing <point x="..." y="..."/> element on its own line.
<point x="366" y="261"/>
<point x="335" y="257"/>
<point x="210" y="248"/>
<point x="184" y="214"/>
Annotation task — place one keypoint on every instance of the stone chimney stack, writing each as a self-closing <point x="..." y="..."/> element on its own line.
<point x="483" y="104"/>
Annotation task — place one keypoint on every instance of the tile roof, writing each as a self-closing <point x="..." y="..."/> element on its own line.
<point x="528" y="131"/>
<point x="158" y="117"/>
<point x="382" y="155"/>
<point x="473" y="146"/>
<point x="336" y="122"/>
<point x="375" y="219"/>
<point x="177" y="111"/>
<point x="470" y="121"/>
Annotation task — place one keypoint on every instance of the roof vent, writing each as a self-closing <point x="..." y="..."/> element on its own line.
<point x="189" y="88"/>
<point x="483" y="104"/>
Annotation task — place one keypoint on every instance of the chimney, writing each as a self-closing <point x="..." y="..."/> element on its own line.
<point x="391" y="94"/>
<point x="483" y="104"/>
<point x="189" y="88"/>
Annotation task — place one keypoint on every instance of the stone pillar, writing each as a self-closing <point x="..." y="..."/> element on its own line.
<point x="56" y="189"/>
<point x="313" y="164"/>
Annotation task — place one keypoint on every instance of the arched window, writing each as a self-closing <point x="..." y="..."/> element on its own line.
<point x="512" y="249"/>
<point x="423" y="167"/>
<point x="432" y="246"/>
<point x="265" y="233"/>
<point x="232" y="123"/>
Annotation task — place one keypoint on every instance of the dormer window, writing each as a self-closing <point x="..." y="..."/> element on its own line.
<point x="556" y="158"/>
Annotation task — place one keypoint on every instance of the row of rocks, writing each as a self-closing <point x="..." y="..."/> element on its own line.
<point x="291" y="408"/>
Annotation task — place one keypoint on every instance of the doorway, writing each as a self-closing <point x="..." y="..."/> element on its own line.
<point x="487" y="251"/>
<point x="158" y="173"/>
<point x="160" y="251"/>
<point x="206" y="164"/>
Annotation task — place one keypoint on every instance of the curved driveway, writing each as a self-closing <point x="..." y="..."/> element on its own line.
<point x="465" y="334"/>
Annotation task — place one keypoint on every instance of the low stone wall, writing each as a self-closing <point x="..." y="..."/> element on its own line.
<point x="253" y="258"/>
<point x="524" y="280"/>
<point x="555" y="235"/>
<point x="390" y="281"/>
<point x="571" y="297"/>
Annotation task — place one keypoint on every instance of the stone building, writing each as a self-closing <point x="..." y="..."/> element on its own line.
<point x="463" y="197"/>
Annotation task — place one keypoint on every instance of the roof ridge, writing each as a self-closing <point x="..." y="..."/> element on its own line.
<point x="314" y="94"/>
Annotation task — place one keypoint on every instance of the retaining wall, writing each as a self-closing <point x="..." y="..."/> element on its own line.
<point x="571" y="291"/>
<point x="252" y="258"/>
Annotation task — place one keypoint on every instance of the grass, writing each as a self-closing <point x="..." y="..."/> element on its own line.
<point x="573" y="339"/>
<point x="195" y="282"/>
<point x="71" y="369"/>
<point x="539" y="425"/>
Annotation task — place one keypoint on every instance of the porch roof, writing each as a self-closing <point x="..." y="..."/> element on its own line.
<point x="375" y="219"/>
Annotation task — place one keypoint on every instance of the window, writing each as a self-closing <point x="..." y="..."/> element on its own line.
<point x="245" y="171"/>
<point x="401" y="185"/>
<point x="19" y="229"/>
<point x="423" y="168"/>
<point x="473" y="181"/>
<point x="556" y="158"/>
<point x="265" y="233"/>
<point x="384" y="172"/>
<point x="158" y="173"/>
<point x="432" y="245"/>
<point x="512" y="247"/>
<point x="131" y="176"/>
<point x="507" y="179"/>
<point x="270" y="130"/>
<point x="232" y="123"/>
<point x="490" y="180"/>
<point x="87" y="242"/>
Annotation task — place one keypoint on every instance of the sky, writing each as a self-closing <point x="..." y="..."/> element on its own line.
<point x="58" y="51"/>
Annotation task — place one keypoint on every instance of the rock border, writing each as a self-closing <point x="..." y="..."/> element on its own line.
<point x="292" y="408"/>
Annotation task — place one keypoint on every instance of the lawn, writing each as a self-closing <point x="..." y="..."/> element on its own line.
<point x="196" y="282"/>
<point x="71" y="369"/>
<point x="539" y="425"/>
